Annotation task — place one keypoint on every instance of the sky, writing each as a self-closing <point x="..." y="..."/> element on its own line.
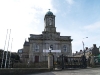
<point x="76" y="18"/>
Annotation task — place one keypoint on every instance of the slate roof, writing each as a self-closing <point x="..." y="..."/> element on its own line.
<point x="26" y="43"/>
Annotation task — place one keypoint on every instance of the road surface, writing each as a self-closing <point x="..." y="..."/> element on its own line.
<point x="90" y="71"/>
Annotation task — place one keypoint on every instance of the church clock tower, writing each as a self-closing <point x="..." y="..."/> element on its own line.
<point x="49" y="27"/>
<point x="49" y="22"/>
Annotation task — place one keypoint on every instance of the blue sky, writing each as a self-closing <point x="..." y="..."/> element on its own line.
<point x="76" y="18"/>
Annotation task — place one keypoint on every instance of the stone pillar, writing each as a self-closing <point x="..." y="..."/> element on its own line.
<point x="50" y="60"/>
<point x="92" y="61"/>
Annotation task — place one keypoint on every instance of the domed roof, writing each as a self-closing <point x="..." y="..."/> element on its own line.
<point x="49" y="13"/>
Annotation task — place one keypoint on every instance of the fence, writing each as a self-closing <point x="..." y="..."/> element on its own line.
<point x="71" y="62"/>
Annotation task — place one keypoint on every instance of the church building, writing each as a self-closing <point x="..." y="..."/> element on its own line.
<point x="37" y="48"/>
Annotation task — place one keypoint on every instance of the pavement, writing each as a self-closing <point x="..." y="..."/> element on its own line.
<point x="88" y="71"/>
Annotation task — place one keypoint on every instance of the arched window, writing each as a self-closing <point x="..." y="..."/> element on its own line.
<point x="36" y="48"/>
<point x="65" y="48"/>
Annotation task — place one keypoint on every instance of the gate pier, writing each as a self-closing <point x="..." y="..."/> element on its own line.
<point x="50" y="61"/>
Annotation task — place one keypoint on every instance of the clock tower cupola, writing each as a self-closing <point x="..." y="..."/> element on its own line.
<point x="49" y="22"/>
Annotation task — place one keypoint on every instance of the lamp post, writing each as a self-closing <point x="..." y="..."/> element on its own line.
<point x="83" y="45"/>
<point x="49" y="49"/>
<point x="83" y="48"/>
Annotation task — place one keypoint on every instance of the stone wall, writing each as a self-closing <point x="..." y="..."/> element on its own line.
<point x="31" y="65"/>
<point x="22" y="71"/>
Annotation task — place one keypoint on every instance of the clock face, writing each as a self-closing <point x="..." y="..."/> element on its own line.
<point x="50" y="21"/>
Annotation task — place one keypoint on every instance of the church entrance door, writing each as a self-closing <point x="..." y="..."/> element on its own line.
<point x="36" y="59"/>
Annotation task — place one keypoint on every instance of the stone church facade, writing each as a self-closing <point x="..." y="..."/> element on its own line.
<point x="36" y="49"/>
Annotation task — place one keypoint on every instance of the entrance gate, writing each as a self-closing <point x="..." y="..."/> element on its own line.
<point x="71" y="62"/>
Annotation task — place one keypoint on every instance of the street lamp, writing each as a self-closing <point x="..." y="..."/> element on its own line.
<point x="50" y="48"/>
<point x="83" y="45"/>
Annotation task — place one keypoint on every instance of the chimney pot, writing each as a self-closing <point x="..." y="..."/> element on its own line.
<point x="94" y="45"/>
<point x="80" y="50"/>
<point x="86" y="48"/>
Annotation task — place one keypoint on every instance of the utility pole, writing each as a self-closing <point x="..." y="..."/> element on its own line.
<point x="83" y="48"/>
<point x="4" y="50"/>
<point x="7" y="50"/>
<point x="10" y="53"/>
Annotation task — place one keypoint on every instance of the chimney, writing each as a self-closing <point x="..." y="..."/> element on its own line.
<point x="80" y="50"/>
<point x="86" y="48"/>
<point x="94" y="45"/>
<point x="76" y="52"/>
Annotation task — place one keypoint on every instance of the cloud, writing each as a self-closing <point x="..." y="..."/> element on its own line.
<point x="93" y="26"/>
<point x="23" y="17"/>
<point x="69" y="7"/>
<point x="77" y="37"/>
<point x="70" y="2"/>
<point x="91" y="31"/>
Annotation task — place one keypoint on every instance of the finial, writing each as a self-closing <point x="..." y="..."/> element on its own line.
<point x="49" y="9"/>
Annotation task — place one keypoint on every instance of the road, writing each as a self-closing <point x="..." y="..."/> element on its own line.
<point x="90" y="71"/>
